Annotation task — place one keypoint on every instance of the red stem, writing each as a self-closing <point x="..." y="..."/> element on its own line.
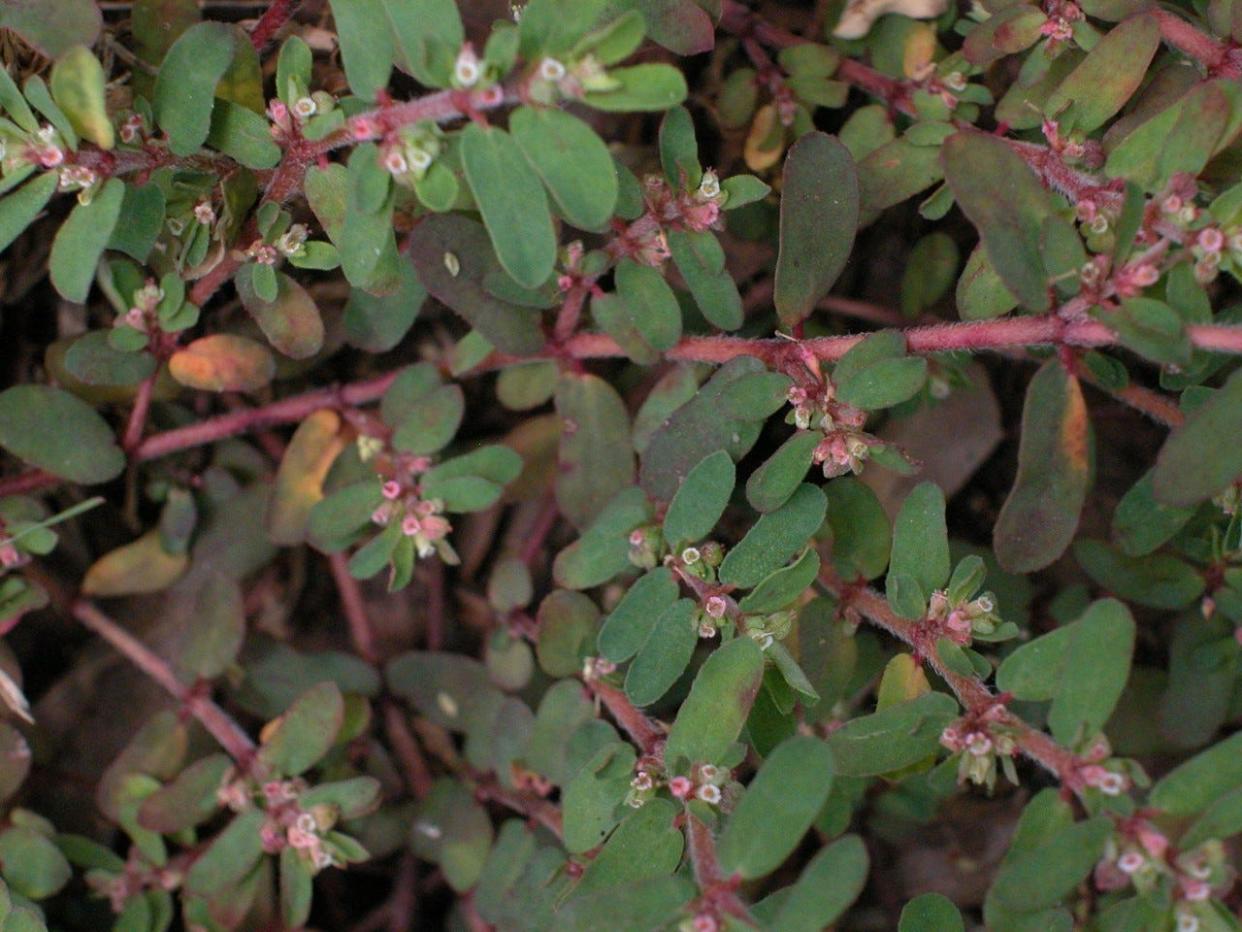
<point x="138" y="416"/>
<point x="270" y="22"/>
<point x="974" y="696"/>
<point x="350" y="593"/>
<point x="642" y="730"/>
<point x="1183" y="36"/>
<point x="999" y="334"/>
<point x="218" y="723"/>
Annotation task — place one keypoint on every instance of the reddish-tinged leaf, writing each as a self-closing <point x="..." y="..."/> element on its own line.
<point x="1107" y="77"/>
<point x="1007" y="204"/>
<point x="1041" y="514"/>
<point x="819" y="216"/>
<point x="291" y="322"/>
<point x="1194" y="463"/>
<point x="223" y="362"/>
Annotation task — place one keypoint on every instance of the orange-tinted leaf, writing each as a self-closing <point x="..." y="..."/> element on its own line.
<point x="223" y="362"/>
<point x="299" y="482"/>
<point x="143" y="566"/>
<point x="1041" y="514"/>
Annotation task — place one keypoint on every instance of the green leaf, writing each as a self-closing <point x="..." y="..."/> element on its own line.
<point x="784" y="586"/>
<point x="1193" y="464"/>
<point x="92" y="359"/>
<point x="296" y="888"/>
<point x="304" y="733"/>
<point x="185" y="87"/>
<point x="679" y="150"/>
<point x="629" y="625"/>
<point x="594" y="460"/>
<point x="33" y="866"/>
<point x="77" y="86"/>
<point x="774" y="538"/>
<point x="243" y="135"/>
<point x="230" y="857"/>
<point x="929" y="272"/>
<point x="1007" y="204"/>
<point x="861" y="537"/>
<point x="779" y="476"/>
<point x="645" y="87"/>
<point x="81" y="240"/>
<point x="700" y="500"/>
<point x="19" y="209"/>
<point x="893" y="738"/>
<point x="650" y="303"/>
<point x="427" y="38"/>
<point x="81" y="448"/>
<point x="931" y="912"/>
<point x="664" y="655"/>
<point x="511" y="200"/>
<point x="366" y="40"/>
<point x="1037" y="879"/>
<point x="1199" y="782"/>
<point x="593" y="801"/>
<point x="696" y="429"/>
<point x="1152" y="329"/>
<point x="431" y="422"/>
<point x="920" y="542"/>
<point x="144" y="211"/>
<point x="646" y="845"/>
<point x="1082" y="667"/>
<point x="290" y="321"/>
<point x="714" y="712"/>
<point x="700" y="259"/>
<point x="829" y="883"/>
<point x="1157" y="580"/>
<point x="777" y="809"/>
<point x="819" y="215"/>
<point x="981" y="295"/>
<point x="1110" y="74"/>
<point x="1041" y="514"/>
<point x="567" y="624"/>
<point x="452" y="830"/>
<point x="1141" y="524"/>
<point x="603" y="550"/>
<point x="571" y="159"/>
<point x="187" y="801"/>
<point x="886" y="383"/>
<point x="1222" y="819"/>
<point x="52" y="26"/>
<point x="453" y="257"/>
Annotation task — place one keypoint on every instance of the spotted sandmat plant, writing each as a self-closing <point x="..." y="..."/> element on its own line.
<point x="620" y="464"/>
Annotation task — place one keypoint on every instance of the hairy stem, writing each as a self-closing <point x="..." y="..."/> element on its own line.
<point x="270" y="23"/>
<point x="974" y="696"/>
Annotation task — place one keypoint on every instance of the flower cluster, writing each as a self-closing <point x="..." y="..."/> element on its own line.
<point x="845" y="447"/>
<point x="982" y="746"/>
<point x="1141" y="856"/>
<point x="418" y="518"/>
<point x="287" y="824"/>
<point x="409" y="152"/>
<point x="707" y="783"/>
<point x="960" y="619"/>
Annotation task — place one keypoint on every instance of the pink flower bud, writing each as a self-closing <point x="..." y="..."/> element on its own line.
<point x="392" y="489"/>
<point x="1130" y="862"/>
<point x="410" y="525"/>
<point x="680" y="787"/>
<point x="1211" y="239"/>
<point x="715" y="606"/>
